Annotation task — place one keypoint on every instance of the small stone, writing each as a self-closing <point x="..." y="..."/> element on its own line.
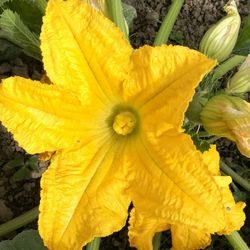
<point x="29" y="186"/>
<point x="5" y="68"/>
<point x="10" y="198"/>
<point x="5" y="213"/>
<point x="2" y="192"/>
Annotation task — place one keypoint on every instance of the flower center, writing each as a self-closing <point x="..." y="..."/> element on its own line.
<point x="124" y="123"/>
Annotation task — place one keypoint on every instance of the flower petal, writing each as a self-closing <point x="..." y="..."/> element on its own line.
<point x="234" y="216"/>
<point x="42" y="117"/>
<point x="182" y="190"/>
<point x="165" y="77"/>
<point x="187" y="238"/>
<point x="83" y="194"/>
<point x="82" y="49"/>
<point x="142" y="230"/>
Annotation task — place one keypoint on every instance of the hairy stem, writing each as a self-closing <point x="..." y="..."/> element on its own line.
<point x="237" y="178"/>
<point x="94" y="244"/>
<point x="168" y="22"/>
<point x="236" y="241"/>
<point x="229" y="64"/>
<point x="157" y="241"/>
<point x="115" y="12"/>
<point x="19" y="221"/>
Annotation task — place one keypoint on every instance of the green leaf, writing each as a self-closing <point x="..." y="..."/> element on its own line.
<point x="129" y="13"/>
<point x="27" y="240"/>
<point x="15" y="163"/>
<point x="32" y="162"/>
<point x="8" y="50"/>
<point x="41" y="4"/>
<point x="2" y="2"/>
<point x="242" y="46"/>
<point x="14" y="30"/>
<point x="21" y="174"/>
<point x="29" y="12"/>
<point x="200" y="144"/>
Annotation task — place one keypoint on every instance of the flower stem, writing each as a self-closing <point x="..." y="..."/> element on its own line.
<point x="157" y="241"/>
<point x="116" y="14"/>
<point x="168" y="22"/>
<point x="19" y="221"/>
<point x="237" y="178"/>
<point x="227" y="66"/>
<point x="236" y="241"/>
<point x="94" y="244"/>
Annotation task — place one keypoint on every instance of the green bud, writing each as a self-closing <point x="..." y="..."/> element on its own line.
<point x="228" y="116"/>
<point x="240" y="82"/>
<point x="195" y="107"/>
<point x="219" y="41"/>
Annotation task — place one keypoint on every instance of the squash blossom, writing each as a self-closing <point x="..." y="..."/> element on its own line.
<point x="219" y="41"/>
<point x="240" y="82"/>
<point x="229" y="117"/>
<point x="113" y="116"/>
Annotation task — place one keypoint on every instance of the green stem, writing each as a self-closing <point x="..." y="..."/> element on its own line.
<point x="236" y="241"/>
<point x="157" y="241"/>
<point x="19" y="221"/>
<point x="41" y="5"/>
<point x="237" y="178"/>
<point x="94" y="244"/>
<point x="115" y="12"/>
<point x="229" y="64"/>
<point x="168" y="22"/>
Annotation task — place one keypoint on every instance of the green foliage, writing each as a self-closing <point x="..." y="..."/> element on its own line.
<point x="22" y="167"/>
<point x="201" y="144"/>
<point x="8" y="50"/>
<point x="29" y="12"/>
<point x="27" y="240"/>
<point x="2" y="2"/>
<point x="20" y="23"/>
<point x="177" y="37"/>
<point x="14" y="30"/>
<point x="243" y="44"/>
<point x="129" y="13"/>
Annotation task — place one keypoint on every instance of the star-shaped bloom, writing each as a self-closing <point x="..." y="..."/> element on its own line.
<point x="113" y="116"/>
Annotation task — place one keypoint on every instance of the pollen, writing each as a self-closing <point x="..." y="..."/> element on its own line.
<point x="124" y="123"/>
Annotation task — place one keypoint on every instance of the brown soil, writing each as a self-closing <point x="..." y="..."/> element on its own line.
<point x="196" y="16"/>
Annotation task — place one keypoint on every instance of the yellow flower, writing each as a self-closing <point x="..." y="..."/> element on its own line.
<point x="114" y="117"/>
<point x="229" y="116"/>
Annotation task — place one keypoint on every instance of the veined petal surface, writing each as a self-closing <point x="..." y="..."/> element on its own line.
<point x="82" y="50"/>
<point x="234" y="215"/>
<point x="41" y="117"/>
<point x="188" y="238"/>
<point x="163" y="80"/>
<point x="83" y="194"/>
<point x="142" y="230"/>
<point x="182" y="190"/>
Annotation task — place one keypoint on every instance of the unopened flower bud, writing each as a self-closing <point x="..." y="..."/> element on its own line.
<point x="229" y="116"/>
<point x="220" y="39"/>
<point x="240" y="82"/>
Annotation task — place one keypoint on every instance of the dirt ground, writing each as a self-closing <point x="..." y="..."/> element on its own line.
<point x="195" y="18"/>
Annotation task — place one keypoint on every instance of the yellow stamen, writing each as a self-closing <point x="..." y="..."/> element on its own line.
<point x="124" y="123"/>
